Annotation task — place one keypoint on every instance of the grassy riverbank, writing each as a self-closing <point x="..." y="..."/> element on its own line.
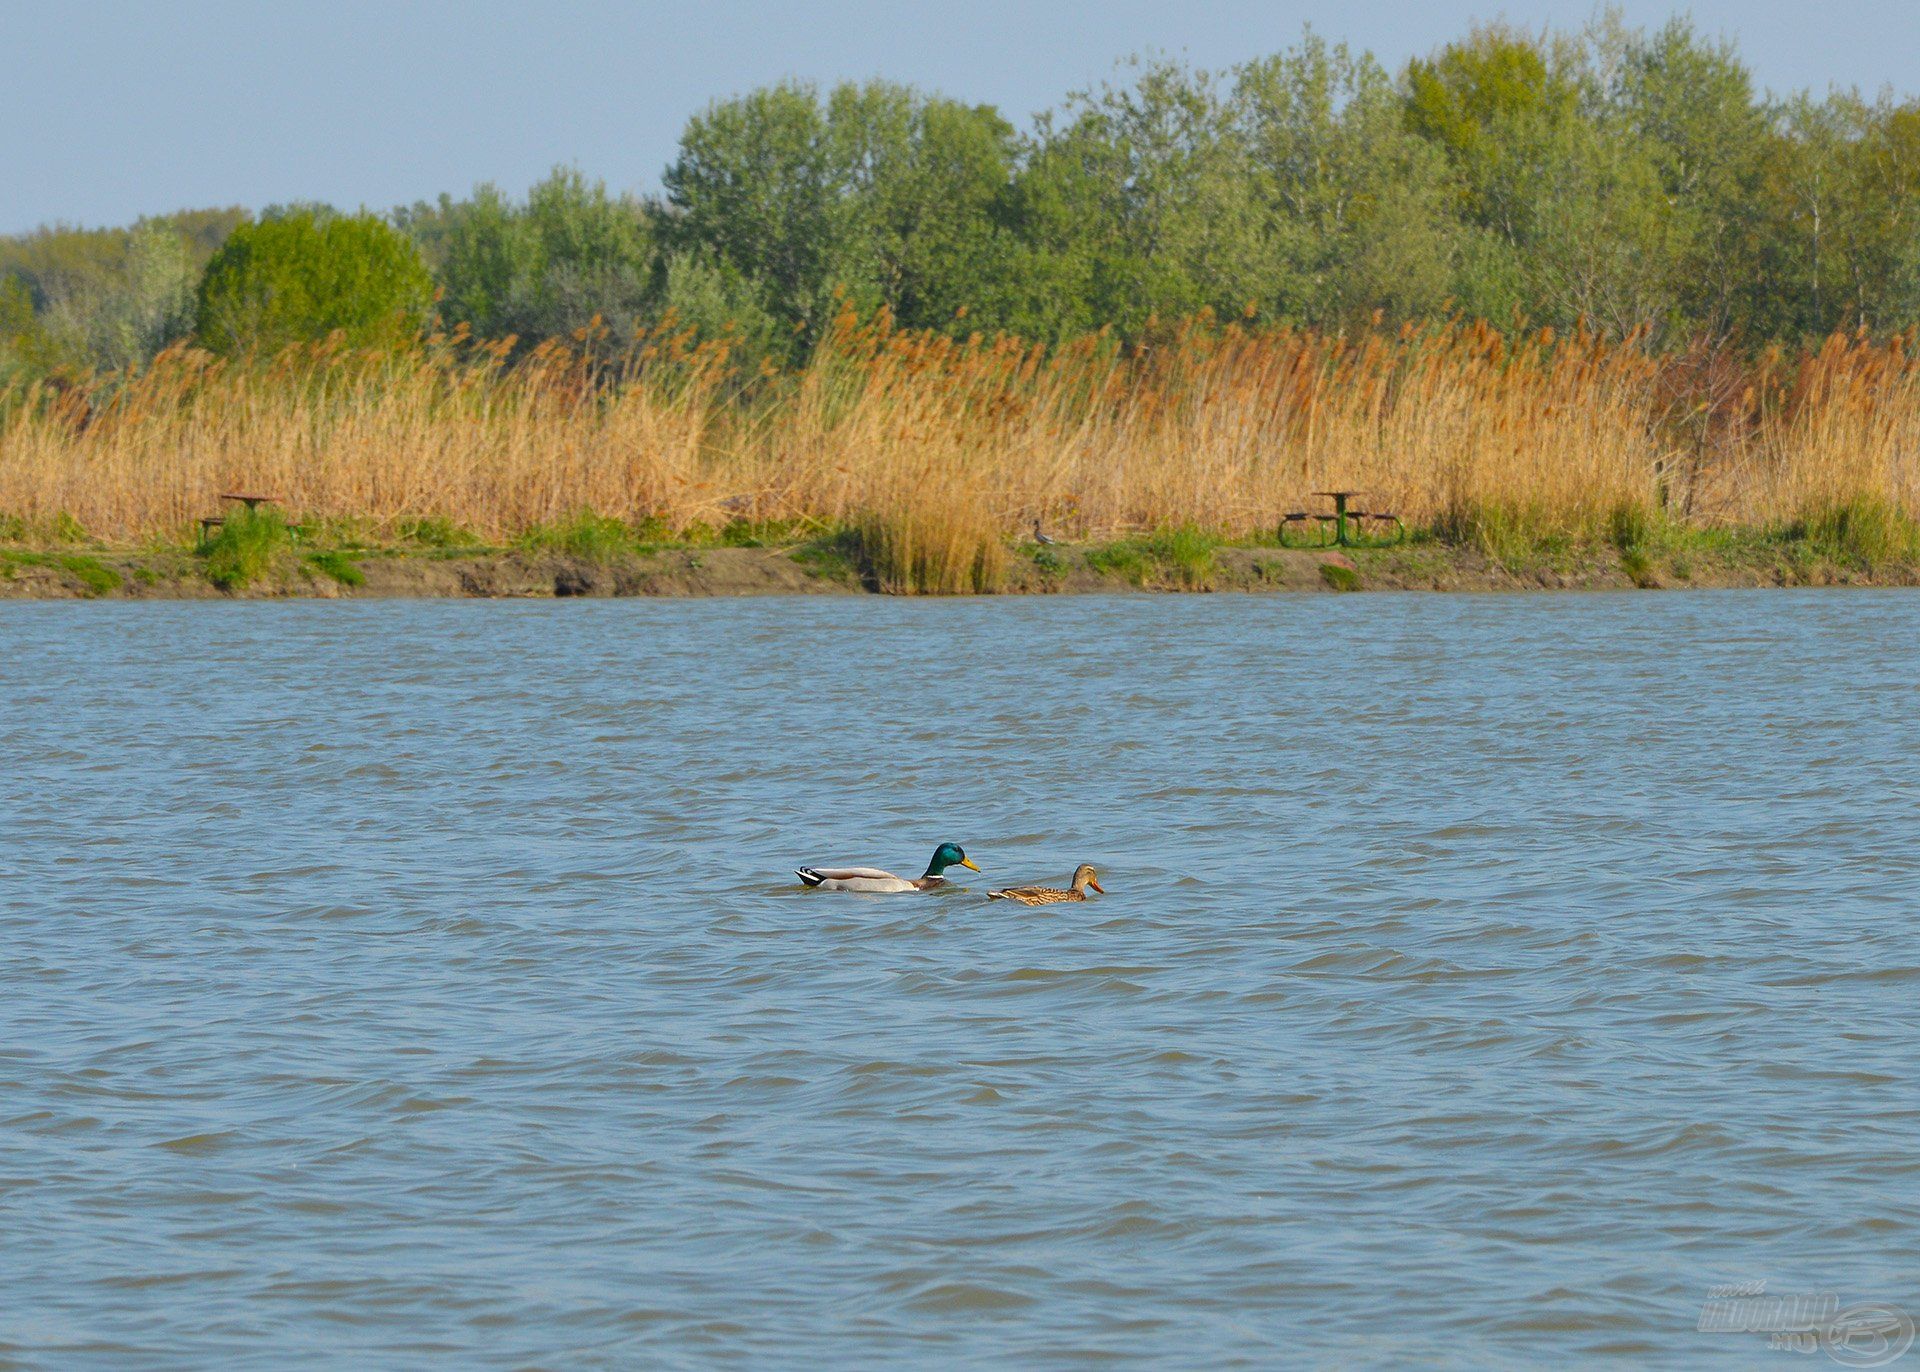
<point x="262" y="556"/>
<point x="921" y="464"/>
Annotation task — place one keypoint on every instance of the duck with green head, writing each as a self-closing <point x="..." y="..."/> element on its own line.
<point x="875" y="880"/>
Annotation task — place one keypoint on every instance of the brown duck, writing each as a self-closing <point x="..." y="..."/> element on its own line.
<point x="1083" y="877"/>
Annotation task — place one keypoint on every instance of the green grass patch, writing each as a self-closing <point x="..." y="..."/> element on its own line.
<point x="1126" y="560"/>
<point x="1186" y="554"/>
<point x="1630" y="527"/>
<point x="245" y="548"/>
<point x="1638" y="567"/>
<point x="741" y="533"/>
<point x="338" y="566"/>
<point x="1517" y="538"/>
<point x="437" y="532"/>
<point x="1863" y="533"/>
<point x="90" y="572"/>
<point x="1634" y="531"/>
<point x="832" y="557"/>
<point x="1048" y="562"/>
<point x="1181" y="556"/>
<point x="768" y="533"/>
<point x="1338" y="577"/>
<point x="592" y="537"/>
<point x="94" y="576"/>
<point x="62" y="530"/>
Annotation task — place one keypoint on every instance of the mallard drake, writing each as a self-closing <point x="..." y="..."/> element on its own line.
<point x="1083" y="877"/>
<point x="873" y="879"/>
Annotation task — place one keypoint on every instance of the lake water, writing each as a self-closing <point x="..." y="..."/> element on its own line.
<point x="1482" y="980"/>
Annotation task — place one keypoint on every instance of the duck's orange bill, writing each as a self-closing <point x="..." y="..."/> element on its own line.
<point x="1096" y="886"/>
<point x="968" y="864"/>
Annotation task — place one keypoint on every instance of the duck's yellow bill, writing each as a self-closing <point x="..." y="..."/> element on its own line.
<point x="968" y="864"/>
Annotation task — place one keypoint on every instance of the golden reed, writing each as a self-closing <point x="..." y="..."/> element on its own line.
<point x="943" y="449"/>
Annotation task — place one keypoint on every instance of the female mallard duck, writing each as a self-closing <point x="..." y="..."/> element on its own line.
<point x="1083" y="877"/>
<point x="873" y="879"/>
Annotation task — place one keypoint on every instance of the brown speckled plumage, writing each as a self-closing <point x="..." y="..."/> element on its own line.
<point x="1083" y="877"/>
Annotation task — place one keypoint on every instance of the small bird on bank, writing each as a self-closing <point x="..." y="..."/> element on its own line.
<point x="1041" y="537"/>
<point x="877" y="881"/>
<point x="1083" y="877"/>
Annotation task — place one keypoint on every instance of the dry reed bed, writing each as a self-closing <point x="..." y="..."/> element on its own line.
<point x="946" y="447"/>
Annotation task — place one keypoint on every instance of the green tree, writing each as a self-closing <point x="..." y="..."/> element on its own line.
<point x="929" y="178"/>
<point x="1136" y="201"/>
<point x="1356" y="207"/>
<point x="152" y="306"/>
<point x="547" y="268"/>
<point x="297" y="278"/>
<point x="716" y="300"/>
<point x="1492" y="105"/>
<point x="481" y="255"/>
<point x="1802" y="283"/>
<point x="1599" y="250"/>
<point x="1879" y="231"/>
<point x="21" y="339"/>
<point x="108" y="297"/>
<point x="1565" y="199"/>
<point x="593" y="255"/>
<point x="877" y="194"/>
<point x="1691" y="105"/>
<point x="758" y="186"/>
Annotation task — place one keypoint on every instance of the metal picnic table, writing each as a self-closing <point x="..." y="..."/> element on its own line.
<point x="1346" y="525"/>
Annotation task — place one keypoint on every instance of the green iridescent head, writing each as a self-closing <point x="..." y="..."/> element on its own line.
<point x="949" y="855"/>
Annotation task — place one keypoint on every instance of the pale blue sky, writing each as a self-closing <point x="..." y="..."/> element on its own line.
<point x="112" y="108"/>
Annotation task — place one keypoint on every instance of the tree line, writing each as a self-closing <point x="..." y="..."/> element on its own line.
<point x="1619" y="178"/>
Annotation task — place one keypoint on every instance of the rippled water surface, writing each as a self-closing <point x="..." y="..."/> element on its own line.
<point x="1481" y="980"/>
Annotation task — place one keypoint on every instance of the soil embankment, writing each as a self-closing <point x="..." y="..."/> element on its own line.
<point x="725" y="571"/>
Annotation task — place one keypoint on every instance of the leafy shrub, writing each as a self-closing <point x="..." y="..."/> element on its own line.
<point x="300" y="278"/>
<point x="244" y="548"/>
<point x="570" y="256"/>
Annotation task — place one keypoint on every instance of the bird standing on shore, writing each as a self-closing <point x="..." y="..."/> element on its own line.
<point x="879" y="882"/>
<point x="1083" y="877"/>
<point x="1040" y="537"/>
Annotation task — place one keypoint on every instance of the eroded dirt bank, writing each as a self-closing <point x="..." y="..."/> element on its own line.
<point x="177" y="575"/>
